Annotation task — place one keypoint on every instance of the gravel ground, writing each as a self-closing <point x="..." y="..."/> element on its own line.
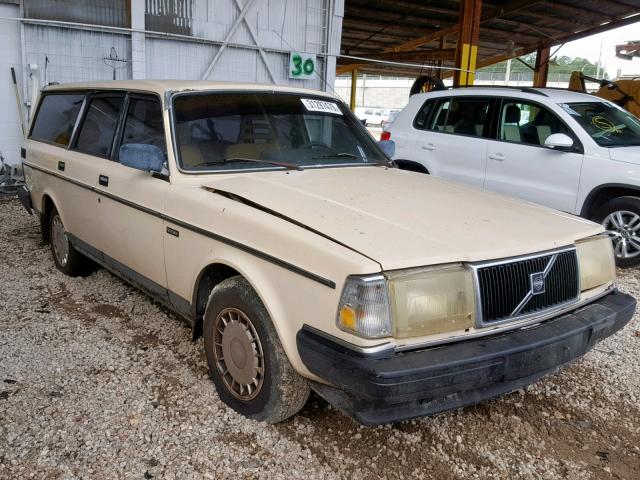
<point x="97" y="381"/>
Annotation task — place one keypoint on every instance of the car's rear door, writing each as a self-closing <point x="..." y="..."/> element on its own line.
<point x="521" y="166"/>
<point x="449" y="137"/>
<point x="132" y="201"/>
<point x="68" y="177"/>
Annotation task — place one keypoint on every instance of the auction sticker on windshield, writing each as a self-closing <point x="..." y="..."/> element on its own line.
<point x="313" y="105"/>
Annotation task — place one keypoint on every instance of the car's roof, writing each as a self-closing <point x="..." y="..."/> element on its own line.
<point x="163" y="86"/>
<point x="555" y="95"/>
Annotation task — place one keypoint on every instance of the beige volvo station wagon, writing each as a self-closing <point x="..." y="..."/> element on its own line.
<point x="272" y="222"/>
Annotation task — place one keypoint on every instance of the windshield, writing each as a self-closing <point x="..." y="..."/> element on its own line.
<point x="607" y="124"/>
<point x="256" y="131"/>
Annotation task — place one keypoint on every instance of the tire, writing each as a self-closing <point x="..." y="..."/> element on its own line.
<point x="621" y="217"/>
<point x="66" y="258"/>
<point x="236" y="326"/>
<point x="44" y="228"/>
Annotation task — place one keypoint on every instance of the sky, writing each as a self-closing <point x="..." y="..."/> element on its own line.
<point x="589" y="48"/>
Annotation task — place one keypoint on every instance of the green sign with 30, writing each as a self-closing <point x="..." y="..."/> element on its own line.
<point x="301" y="65"/>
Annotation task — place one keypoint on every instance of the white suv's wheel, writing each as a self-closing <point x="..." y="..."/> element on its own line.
<point x="621" y="219"/>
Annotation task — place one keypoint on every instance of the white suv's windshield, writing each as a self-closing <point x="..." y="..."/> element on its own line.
<point x="246" y="130"/>
<point x="608" y="125"/>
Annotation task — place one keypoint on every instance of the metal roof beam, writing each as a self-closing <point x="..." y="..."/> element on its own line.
<point x="421" y="6"/>
<point x="620" y="22"/>
<point x="393" y="15"/>
<point x="572" y="12"/>
<point x="490" y="13"/>
<point x="446" y="54"/>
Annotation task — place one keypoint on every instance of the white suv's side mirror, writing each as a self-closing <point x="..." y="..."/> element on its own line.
<point x="559" y="141"/>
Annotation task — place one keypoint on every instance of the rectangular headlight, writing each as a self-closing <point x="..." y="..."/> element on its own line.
<point x="596" y="261"/>
<point x="364" y="307"/>
<point x="431" y="301"/>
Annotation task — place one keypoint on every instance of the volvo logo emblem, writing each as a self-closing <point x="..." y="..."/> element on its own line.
<point x="537" y="283"/>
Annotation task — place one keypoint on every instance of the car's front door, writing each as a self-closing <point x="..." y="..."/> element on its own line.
<point x="450" y="135"/>
<point x="521" y="166"/>
<point x="131" y="201"/>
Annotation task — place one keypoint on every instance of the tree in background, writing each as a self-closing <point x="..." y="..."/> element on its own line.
<point x="562" y="65"/>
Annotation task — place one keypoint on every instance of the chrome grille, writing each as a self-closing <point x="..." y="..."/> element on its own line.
<point x="507" y="290"/>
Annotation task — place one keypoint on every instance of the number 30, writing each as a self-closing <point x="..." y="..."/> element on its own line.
<point x="299" y="66"/>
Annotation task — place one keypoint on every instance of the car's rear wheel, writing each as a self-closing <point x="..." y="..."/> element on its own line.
<point x="66" y="258"/>
<point x="247" y="363"/>
<point x="621" y="219"/>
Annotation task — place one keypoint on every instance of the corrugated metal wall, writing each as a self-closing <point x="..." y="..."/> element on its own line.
<point x="69" y="55"/>
<point x="114" y="13"/>
<point x="10" y="133"/>
<point x="253" y="38"/>
<point x="171" y="16"/>
<point x="278" y="27"/>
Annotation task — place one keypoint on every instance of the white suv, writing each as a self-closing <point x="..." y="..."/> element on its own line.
<point x="567" y="150"/>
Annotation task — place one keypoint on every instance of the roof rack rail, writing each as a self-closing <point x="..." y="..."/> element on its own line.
<point x="522" y="89"/>
<point x="533" y="90"/>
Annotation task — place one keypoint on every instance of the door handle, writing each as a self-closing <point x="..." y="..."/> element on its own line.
<point x="61" y="166"/>
<point x="429" y="146"/>
<point x="103" y="180"/>
<point x="498" y="157"/>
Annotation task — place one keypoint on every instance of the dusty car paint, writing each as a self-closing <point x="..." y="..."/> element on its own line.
<point x="297" y="235"/>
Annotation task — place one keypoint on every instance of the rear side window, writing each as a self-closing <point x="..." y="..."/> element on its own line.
<point x="56" y="117"/>
<point x="99" y="125"/>
<point x="462" y="116"/>
<point x="144" y="123"/>
<point x="420" y="122"/>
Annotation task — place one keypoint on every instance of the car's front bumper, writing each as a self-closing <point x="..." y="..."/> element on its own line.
<point x="398" y="386"/>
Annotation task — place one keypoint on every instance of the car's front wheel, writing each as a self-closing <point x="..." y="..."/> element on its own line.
<point x="66" y="258"/>
<point x="247" y="363"/>
<point x="621" y="218"/>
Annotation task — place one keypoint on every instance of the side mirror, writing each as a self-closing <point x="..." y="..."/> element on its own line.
<point x="388" y="147"/>
<point x="559" y="141"/>
<point x="141" y="156"/>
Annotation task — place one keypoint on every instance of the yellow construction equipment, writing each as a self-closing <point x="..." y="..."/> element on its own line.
<point x="625" y="93"/>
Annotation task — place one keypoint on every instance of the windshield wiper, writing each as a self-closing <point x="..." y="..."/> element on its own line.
<point x="288" y="166"/>
<point x="338" y="155"/>
<point x="384" y="163"/>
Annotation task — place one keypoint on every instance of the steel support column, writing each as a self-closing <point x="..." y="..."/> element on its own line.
<point x="541" y="70"/>
<point x="354" y="88"/>
<point x="467" y="46"/>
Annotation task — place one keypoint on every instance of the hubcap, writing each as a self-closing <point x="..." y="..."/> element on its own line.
<point x="623" y="227"/>
<point x="238" y="354"/>
<point x="59" y="241"/>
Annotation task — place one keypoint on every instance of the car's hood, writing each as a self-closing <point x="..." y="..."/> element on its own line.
<point x="626" y="154"/>
<point x="403" y="219"/>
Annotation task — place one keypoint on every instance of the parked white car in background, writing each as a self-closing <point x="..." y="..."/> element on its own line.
<point x="567" y="150"/>
<point x="372" y="116"/>
<point x="392" y="116"/>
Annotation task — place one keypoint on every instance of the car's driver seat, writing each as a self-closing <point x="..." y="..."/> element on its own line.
<point x="511" y="127"/>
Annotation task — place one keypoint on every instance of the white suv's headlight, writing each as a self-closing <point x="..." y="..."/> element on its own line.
<point x="408" y="303"/>
<point x="596" y="261"/>
<point x="364" y="307"/>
